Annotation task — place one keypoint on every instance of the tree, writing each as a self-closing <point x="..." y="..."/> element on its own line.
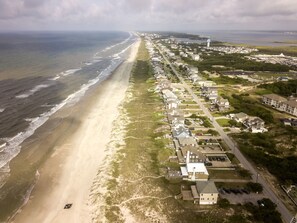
<point x="223" y="203"/>
<point x="254" y="187"/>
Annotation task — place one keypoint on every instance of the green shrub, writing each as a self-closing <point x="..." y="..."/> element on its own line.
<point x="254" y="187"/>
<point x="223" y="203"/>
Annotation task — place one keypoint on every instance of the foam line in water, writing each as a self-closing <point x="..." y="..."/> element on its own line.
<point x="123" y="42"/>
<point x="70" y="71"/>
<point x="12" y="148"/>
<point x="33" y="90"/>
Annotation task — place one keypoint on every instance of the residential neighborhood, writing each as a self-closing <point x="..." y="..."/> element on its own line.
<point x="199" y="136"/>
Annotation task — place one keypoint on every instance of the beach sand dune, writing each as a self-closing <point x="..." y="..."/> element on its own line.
<point x="66" y="177"/>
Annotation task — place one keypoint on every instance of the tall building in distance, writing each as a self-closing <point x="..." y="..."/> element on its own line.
<point x="208" y="43"/>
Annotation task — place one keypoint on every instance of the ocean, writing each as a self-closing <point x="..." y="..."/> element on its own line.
<point x="255" y="38"/>
<point x="42" y="72"/>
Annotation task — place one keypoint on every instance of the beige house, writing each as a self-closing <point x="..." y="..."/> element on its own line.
<point x="223" y="104"/>
<point x="195" y="156"/>
<point x="187" y="141"/>
<point x="240" y="117"/>
<point x="281" y="103"/>
<point x="273" y="100"/>
<point x="205" y="193"/>
<point x="290" y="107"/>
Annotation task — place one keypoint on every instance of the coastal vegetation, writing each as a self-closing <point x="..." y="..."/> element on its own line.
<point x="281" y="88"/>
<point x="265" y="211"/>
<point x="262" y="150"/>
<point x="137" y="181"/>
<point x="234" y="62"/>
<point x="250" y="106"/>
<point x="287" y="50"/>
<point x="223" y="79"/>
<point x="182" y="35"/>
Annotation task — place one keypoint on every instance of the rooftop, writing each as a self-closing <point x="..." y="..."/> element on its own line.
<point x="275" y="97"/>
<point x="206" y="187"/>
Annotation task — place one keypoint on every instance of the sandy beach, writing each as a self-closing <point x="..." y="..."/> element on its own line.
<point x="78" y="151"/>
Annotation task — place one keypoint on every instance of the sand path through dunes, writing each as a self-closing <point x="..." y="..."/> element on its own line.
<point x="66" y="177"/>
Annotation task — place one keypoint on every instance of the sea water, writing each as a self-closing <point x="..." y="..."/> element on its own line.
<point x="41" y="72"/>
<point x="252" y="37"/>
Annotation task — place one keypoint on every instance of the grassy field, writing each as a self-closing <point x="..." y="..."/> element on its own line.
<point x="223" y="122"/>
<point x="287" y="50"/>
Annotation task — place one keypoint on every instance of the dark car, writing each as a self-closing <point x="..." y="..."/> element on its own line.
<point x="245" y="191"/>
<point x="226" y="190"/>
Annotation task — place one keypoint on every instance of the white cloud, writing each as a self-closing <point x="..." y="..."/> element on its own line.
<point x="147" y="14"/>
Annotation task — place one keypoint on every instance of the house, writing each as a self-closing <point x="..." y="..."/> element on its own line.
<point x="167" y="94"/>
<point x="178" y="121"/>
<point x="156" y="59"/>
<point x="206" y="90"/>
<point x="186" y="141"/>
<point x="210" y="92"/>
<point x="163" y="83"/>
<point x="194" y="154"/>
<point x="255" y="124"/>
<point x="205" y="193"/>
<point x="290" y="107"/>
<point x="172" y="103"/>
<point x="183" y="54"/>
<point x="240" y="117"/>
<point x="173" y="46"/>
<point x="193" y="70"/>
<point x="285" y="79"/>
<point x="281" y="103"/>
<point x="194" y="172"/>
<point x="180" y="132"/>
<point x="289" y="121"/>
<point x="273" y="100"/>
<point x="175" y="116"/>
<point x="223" y="104"/>
<point x="195" y="57"/>
<point x="206" y="83"/>
<point x="195" y="78"/>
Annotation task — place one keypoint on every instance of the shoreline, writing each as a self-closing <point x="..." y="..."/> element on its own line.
<point x="74" y="156"/>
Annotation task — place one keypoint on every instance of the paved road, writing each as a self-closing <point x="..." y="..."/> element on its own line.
<point x="286" y="215"/>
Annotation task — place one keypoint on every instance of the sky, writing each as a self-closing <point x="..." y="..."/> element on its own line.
<point x="145" y="15"/>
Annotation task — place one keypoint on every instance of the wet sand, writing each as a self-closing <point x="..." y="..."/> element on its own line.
<point x="77" y="150"/>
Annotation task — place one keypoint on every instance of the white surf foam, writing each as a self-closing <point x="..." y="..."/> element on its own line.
<point x="66" y="73"/>
<point x="117" y="56"/>
<point x="2" y="146"/>
<point x="33" y="90"/>
<point x="70" y="71"/>
<point x="12" y="148"/>
<point x="88" y="63"/>
<point x="55" y="78"/>
<point x="2" y="110"/>
<point x="123" y="42"/>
